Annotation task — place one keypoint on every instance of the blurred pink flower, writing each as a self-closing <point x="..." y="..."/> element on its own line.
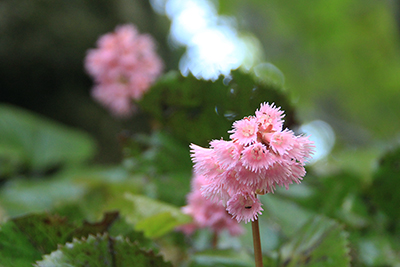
<point x="259" y="157"/>
<point x="206" y="213"/>
<point x="124" y="65"/>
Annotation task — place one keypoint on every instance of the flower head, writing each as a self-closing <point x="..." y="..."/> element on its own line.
<point x="206" y="213"/>
<point x="260" y="157"/>
<point x="123" y="66"/>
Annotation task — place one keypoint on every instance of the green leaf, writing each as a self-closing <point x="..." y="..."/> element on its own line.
<point x="287" y="214"/>
<point x="98" y="227"/>
<point x="153" y="217"/>
<point x="94" y="190"/>
<point x="19" y="196"/>
<point x="320" y="242"/>
<point x="24" y="239"/>
<point x="231" y="258"/>
<point x="102" y="250"/>
<point x="338" y="196"/>
<point x="377" y="249"/>
<point x="386" y="184"/>
<point x="173" y="169"/>
<point x="34" y="143"/>
<point x="15" y="248"/>
<point x="196" y="111"/>
<point x="158" y="225"/>
<point x="121" y="227"/>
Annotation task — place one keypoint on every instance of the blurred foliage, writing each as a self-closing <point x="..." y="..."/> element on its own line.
<point x="318" y="242"/>
<point x="34" y="144"/>
<point x="182" y="104"/>
<point x="386" y="185"/>
<point x="341" y="63"/>
<point x="42" y="47"/>
<point x="341" y="59"/>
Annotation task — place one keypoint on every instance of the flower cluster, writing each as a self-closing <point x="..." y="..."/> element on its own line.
<point x="259" y="157"/>
<point x="206" y="213"/>
<point x="124" y="65"/>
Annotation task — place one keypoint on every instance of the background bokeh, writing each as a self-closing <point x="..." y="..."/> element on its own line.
<point x="337" y="63"/>
<point x="340" y="60"/>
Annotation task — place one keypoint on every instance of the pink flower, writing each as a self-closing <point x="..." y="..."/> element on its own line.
<point x="260" y="157"/>
<point x="245" y="131"/>
<point x="244" y="206"/>
<point x="282" y="142"/>
<point x="227" y="153"/>
<point x="124" y="65"/>
<point x="207" y="214"/>
<point x="256" y="157"/>
<point x="270" y="117"/>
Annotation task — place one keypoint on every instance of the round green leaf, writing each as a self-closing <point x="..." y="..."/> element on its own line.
<point x="102" y="250"/>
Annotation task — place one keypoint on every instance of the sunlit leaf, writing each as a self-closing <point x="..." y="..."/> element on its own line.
<point x="153" y="217"/>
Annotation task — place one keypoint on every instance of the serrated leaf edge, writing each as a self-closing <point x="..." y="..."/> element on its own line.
<point x="69" y="245"/>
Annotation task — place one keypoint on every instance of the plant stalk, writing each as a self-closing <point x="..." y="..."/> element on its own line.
<point x="257" y="243"/>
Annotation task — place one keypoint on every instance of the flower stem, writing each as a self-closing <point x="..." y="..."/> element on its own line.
<point x="257" y="243"/>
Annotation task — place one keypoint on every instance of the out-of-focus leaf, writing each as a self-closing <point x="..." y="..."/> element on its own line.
<point x="172" y="172"/>
<point x="102" y="250"/>
<point x="287" y="214"/>
<point x="90" y="188"/>
<point x="158" y="225"/>
<point x="228" y="258"/>
<point x="24" y="239"/>
<point x="196" y="110"/>
<point x="338" y="196"/>
<point x="19" y="196"/>
<point x="377" y="249"/>
<point x="153" y="217"/>
<point x="321" y="242"/>
<point x="386" y="184"/>
<point x="36" y="144"/>
<point x="359" y="163"/>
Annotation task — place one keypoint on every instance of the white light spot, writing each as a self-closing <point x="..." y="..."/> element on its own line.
<point x="213" y="45"/>
<point x="323" y="136"/>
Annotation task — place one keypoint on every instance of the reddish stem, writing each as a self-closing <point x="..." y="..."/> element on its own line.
<point x="257" y="243"/>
